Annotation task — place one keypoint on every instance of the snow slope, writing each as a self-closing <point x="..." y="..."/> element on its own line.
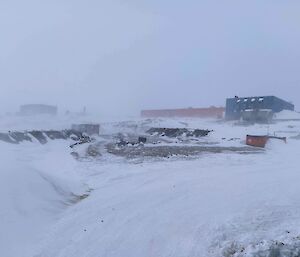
<point x="217" y="205"/>
<point x="36" y="185"/>
<point x="203" y="207"/>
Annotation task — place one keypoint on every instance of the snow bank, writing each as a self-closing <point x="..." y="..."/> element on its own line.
<point x="287" y="115"/>
<point x="33" y="192"/>
<point x="214" y="206"/>
<point x="218" y="205"/>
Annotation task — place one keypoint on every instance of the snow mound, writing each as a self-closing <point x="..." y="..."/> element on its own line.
<point x="287" y="115"/>
<point x="32" y="195"/>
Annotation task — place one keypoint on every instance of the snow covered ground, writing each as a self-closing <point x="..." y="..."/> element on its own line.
<point x="36" y="185"/>
<point x="223" y="204"/>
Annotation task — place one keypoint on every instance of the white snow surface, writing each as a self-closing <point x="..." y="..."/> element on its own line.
<point x="215" y="205"/>
<point x="287" y="115"/>
<point x="37" y="184"/>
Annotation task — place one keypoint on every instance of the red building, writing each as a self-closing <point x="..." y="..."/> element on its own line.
<point x="211" y="112"/>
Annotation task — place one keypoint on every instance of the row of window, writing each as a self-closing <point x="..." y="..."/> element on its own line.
<point x="261" y="99"/>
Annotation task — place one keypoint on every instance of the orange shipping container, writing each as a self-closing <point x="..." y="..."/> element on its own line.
<point x="211" y="112"/>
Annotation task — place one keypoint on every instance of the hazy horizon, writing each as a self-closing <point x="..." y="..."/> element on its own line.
<point x="121" y="57"/>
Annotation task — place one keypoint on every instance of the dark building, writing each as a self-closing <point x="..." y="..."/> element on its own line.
<point x="37" y="109"/>
<point x="236" y="107"/>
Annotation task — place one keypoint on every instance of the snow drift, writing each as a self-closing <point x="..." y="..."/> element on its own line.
<point x="33" y="192"/>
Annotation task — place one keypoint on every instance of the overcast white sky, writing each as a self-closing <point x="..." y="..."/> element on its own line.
<point x="123" y="56"/>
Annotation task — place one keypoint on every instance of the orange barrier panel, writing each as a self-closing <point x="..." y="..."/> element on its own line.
<point x="258" y="141"/>
<point x="261" y="141"/>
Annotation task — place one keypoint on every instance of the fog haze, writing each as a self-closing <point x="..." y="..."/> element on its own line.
<point x="118" y="57"/>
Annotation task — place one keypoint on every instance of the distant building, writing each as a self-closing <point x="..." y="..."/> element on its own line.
<point x="90" y="129"/>
<point x="258" y="106"/>
<point x="210" y="112"/>
<point x="37" y="109"/>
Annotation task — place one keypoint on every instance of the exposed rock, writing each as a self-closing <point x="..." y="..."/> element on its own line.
<point x="167" y="151"/>
<point x="178" y="132"/>
<point x="43" y="136"/>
